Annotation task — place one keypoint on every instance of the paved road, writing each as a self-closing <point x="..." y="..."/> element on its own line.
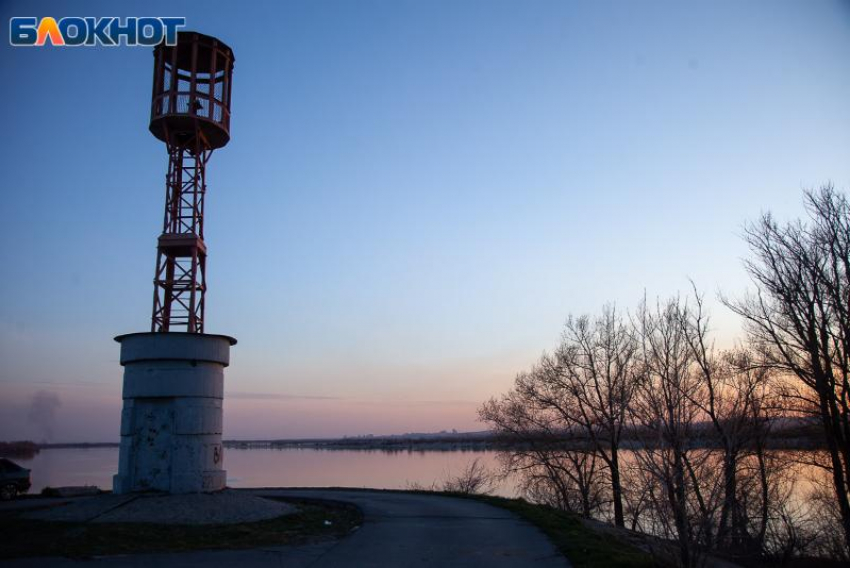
<point x="399" y="529"/>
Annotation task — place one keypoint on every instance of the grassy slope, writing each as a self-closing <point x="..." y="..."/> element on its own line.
<point x="583" y="546"/>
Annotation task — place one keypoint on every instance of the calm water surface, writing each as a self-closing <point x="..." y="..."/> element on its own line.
<point x="290" y="467"/>
<point x="286" y="467"/>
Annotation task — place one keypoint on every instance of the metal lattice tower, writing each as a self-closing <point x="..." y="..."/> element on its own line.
<point x="190" y="112"/>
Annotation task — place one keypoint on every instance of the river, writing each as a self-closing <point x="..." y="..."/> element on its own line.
<point x="289" y="467"/>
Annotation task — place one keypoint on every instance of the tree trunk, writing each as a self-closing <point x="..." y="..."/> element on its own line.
<point x="678" y="499"/>
<point x="616" y="488"/>
<point x="730" y="499"/>
<point x="838" y="479"/>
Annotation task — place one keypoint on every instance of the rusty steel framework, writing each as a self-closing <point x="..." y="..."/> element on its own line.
<point x="190" y="112"/>
<point x="180" y="280"/>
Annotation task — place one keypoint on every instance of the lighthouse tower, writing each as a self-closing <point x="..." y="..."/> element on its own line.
<point x="171" y="422"/>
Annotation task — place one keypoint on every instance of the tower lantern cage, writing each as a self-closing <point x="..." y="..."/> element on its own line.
<point x="190" y="112"/>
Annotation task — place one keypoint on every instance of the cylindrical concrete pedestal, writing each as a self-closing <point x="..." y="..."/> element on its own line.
<point x="172" y="417"/>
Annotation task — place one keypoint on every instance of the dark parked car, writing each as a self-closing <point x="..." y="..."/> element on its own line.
<point x="14" y="479"/>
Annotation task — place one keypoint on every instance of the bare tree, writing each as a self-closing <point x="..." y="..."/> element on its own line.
<point x="702" y="475"/>
<point x="734" y="398"/>
<point x="665" y="419"/>
<point x="581" y="396"/>
<point x="799" y="318"/>
<point x="597" y="366"/>
<point x="475" y="479"/>
<point x="553" y="465"/>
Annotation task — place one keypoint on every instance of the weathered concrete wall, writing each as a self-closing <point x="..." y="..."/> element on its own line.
<point x="171" y="422"/>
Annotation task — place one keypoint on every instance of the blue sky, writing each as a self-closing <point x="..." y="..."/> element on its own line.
<point x="415" y="196"/>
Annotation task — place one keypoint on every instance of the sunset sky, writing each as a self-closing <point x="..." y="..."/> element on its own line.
<point x="415" y="197"/>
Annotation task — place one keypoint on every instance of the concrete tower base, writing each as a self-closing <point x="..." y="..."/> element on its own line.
<point x="172" y="418"/>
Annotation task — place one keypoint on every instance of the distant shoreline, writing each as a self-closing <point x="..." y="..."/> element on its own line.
<point x="800" y="437"/>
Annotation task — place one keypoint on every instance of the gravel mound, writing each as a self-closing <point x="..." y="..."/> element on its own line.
<point x="224" y="507"/>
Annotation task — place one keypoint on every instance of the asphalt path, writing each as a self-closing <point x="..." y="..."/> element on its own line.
<point x="399" y="529"/>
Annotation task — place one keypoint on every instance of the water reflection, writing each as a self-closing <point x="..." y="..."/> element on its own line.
<point x="290" y="467"/>
<point x="308" y="467"/>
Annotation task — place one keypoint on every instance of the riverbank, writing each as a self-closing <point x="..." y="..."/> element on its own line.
<point x="797" y="434"/>
<point x="397" y="528"/>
